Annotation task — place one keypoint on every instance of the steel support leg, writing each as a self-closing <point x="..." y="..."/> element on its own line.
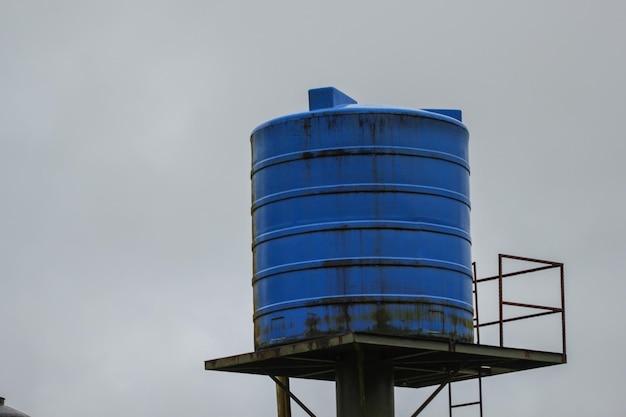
<point x="283" y="401"/>
<point x="285" y="388"/>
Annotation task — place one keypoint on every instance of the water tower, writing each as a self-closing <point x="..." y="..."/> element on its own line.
<point x="362" y="270"/>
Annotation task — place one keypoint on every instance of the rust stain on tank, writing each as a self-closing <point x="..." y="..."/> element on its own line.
<point x="382" y="317"/>
<point x="312" y="321"/>
<point x="306" y="126"/>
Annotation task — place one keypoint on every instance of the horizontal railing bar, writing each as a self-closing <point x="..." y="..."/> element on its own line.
<point x="512" y="274"/>
<point x="491" y="323"/>
<point x="530" y="316"/>
<point x="465" y="404"/>
<point x="512" y="303"/>
<point x="521" y="258"/>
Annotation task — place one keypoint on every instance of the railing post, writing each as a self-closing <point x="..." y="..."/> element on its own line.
<point x="501" y="325"/>
<point x="475" y="282"/>
<point x="563" y="311"/>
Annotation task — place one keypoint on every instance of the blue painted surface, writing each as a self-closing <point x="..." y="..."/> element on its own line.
<point x="361" y="223"/>
<point x="328" y="97"/>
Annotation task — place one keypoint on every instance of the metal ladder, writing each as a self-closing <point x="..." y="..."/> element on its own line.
<point x="479" y="403"/>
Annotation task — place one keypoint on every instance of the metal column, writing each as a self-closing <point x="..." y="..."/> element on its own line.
<point x="283" y="401"/>
<point x="364" y="385"/>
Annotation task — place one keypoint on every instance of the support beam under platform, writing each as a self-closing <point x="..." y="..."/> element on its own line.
<point x="414" y="362"/>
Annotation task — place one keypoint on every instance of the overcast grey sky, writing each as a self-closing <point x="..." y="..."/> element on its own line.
<point x="124" y="169"/>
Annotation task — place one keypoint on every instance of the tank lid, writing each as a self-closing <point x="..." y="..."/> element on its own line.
<point x="328" y="97"/>
<point x="329" y="100"/>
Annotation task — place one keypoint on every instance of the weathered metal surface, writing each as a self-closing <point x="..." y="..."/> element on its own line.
<point x="361" y="223"/>
<point x="364" y="385"/>
<point x="283" y="399"/>
<point x="416" y="362"/>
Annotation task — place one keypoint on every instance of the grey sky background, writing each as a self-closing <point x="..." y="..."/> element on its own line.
<point x="124" y="169"/>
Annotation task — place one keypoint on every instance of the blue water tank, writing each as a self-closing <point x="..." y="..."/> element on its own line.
<point x="361" y="223"/>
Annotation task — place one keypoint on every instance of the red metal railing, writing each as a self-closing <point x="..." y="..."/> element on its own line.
<point x="546" y="310"/>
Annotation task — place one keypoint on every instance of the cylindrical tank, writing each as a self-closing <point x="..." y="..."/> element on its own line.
<point x="361" y="223"/>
